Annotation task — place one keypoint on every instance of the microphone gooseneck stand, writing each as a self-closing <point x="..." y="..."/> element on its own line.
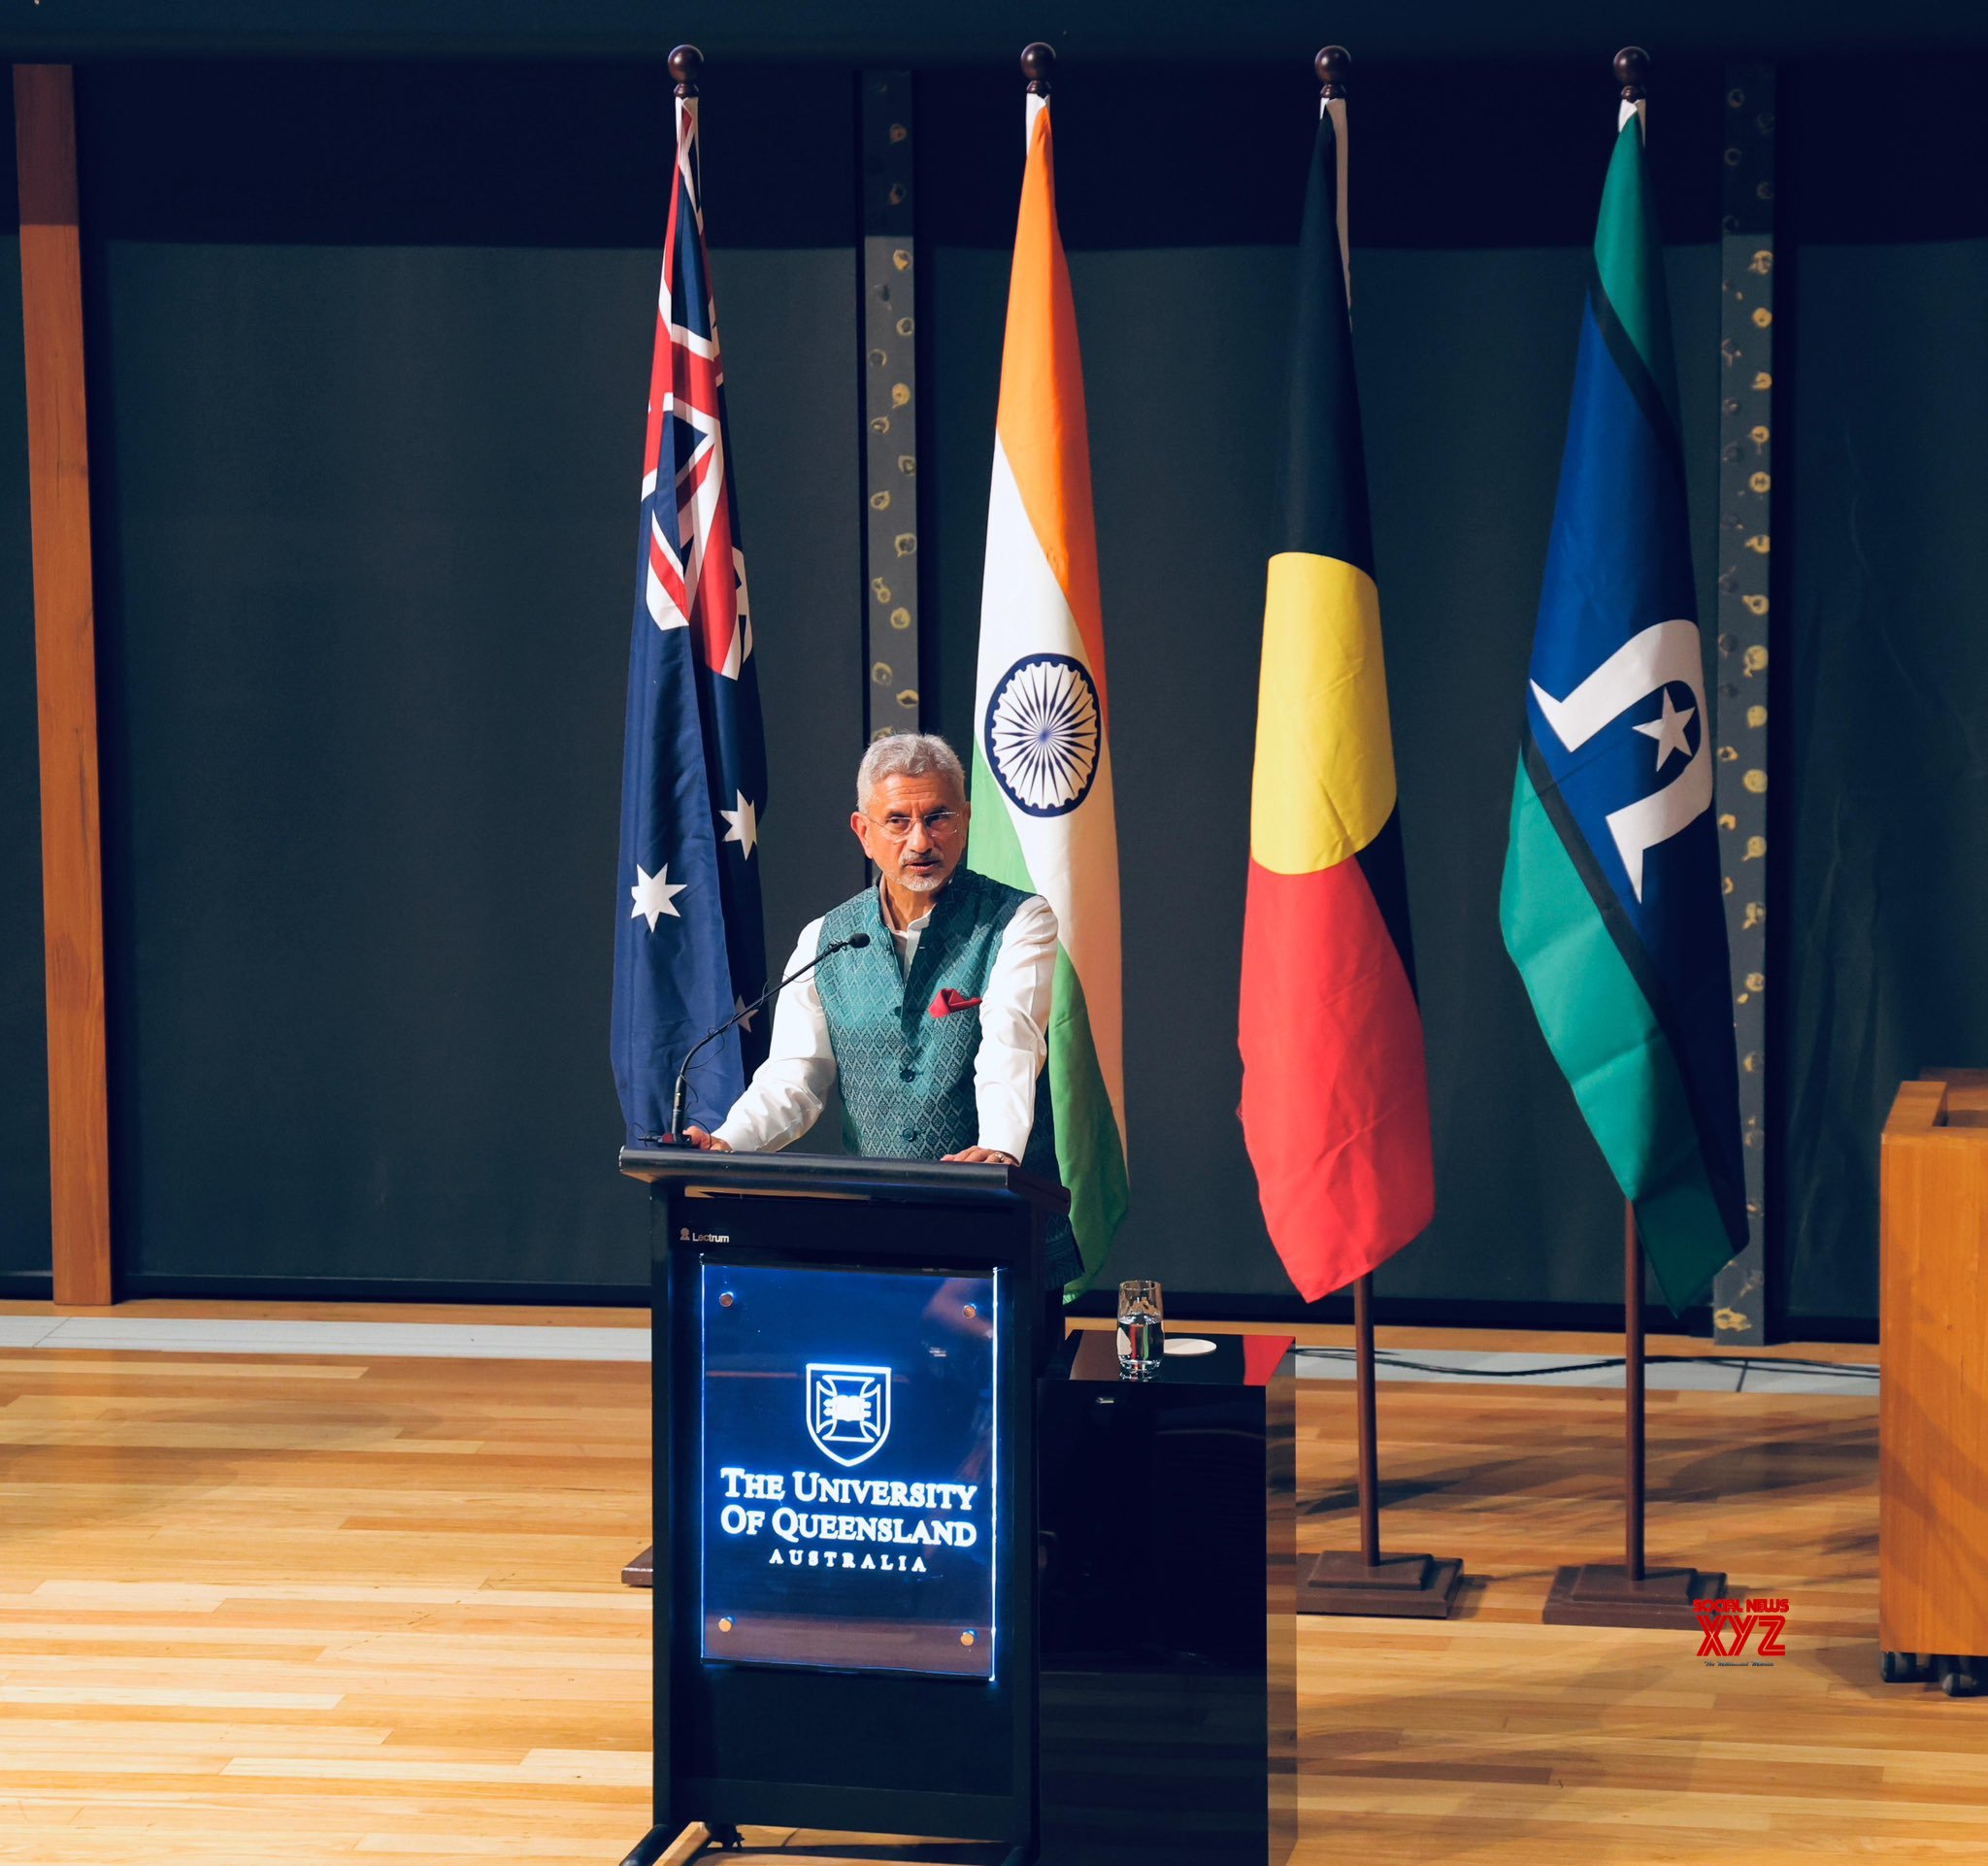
<point x="675" y="1137"/>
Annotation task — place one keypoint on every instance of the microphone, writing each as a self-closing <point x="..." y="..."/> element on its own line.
<point x="854" y="943"/>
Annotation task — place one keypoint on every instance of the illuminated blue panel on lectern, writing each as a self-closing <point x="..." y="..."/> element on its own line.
<point x="848" y="1469"/>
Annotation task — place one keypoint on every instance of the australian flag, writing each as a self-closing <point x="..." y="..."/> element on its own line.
<point x="690" y="946"/>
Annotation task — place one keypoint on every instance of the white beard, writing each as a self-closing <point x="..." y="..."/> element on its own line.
<point x="914" y="883"/>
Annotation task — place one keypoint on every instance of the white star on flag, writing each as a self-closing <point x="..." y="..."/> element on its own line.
<point x="745" y="823"/>
<point x="745" y="1021"/>
<point x="653" y="895"/>
<point x="1668" y="731"/>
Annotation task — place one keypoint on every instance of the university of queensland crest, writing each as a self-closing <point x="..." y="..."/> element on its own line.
<point x="849" y="1409"/>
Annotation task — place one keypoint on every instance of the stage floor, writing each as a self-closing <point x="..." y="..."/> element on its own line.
<point x="300" y="1606"/>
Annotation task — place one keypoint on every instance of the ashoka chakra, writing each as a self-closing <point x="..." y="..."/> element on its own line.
<point x="1044" y="733"/>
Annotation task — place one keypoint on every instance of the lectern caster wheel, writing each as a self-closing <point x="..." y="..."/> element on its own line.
<point x="1958" y="1679"/>
<point x="729" y="1839"/>
<point x="1894" y="1667"/>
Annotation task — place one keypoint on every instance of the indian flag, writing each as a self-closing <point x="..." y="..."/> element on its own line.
<point x="1044" y="816"/>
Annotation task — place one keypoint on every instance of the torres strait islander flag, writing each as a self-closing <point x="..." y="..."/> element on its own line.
<point x="1335" y="1092"/>
<point x="1042" y="759"/>
<point x="1612" y="906"/>
<point x="690" y="947"/>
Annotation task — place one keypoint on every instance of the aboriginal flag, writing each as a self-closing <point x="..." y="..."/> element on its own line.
<point x="1335" y="1092"/>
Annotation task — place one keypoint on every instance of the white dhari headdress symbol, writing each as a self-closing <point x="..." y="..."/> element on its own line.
<point x="1644" y="664"/>
<point x="849" y="1409"/>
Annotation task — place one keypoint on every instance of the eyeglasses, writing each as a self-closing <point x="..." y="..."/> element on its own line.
<point x="939" y="824"/>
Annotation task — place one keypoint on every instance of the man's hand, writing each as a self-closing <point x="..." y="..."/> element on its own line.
<point x="704" y="1143"/>
<point x="984" y="1156"/>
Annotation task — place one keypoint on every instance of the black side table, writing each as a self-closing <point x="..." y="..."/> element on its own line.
<point x="1168" y="1529"/>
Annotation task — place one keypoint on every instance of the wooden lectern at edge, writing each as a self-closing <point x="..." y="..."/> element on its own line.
<point x="1932" y="1405"/>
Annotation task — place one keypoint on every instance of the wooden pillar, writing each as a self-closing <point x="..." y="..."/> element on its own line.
<point x="65" y="682"/>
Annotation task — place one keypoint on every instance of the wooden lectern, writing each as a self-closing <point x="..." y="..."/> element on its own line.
<point x="1932" y="1407"/>
<point x="847" y="1356"/>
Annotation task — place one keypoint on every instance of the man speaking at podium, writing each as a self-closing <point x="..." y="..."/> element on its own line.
<point x="938" y="1025"/>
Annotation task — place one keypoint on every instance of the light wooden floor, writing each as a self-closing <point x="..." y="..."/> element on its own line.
<point x="299" y="1609"/>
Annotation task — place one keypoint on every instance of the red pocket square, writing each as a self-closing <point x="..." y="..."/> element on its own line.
<point x="948" y="1001"/>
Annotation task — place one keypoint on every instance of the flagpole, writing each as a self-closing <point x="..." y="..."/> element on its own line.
<point x="1369" y="1425"/>
<point x="1633" y="1363"/>
<point x="1039" y="67"/>
<point x="1334" y="66"/>
<point x="685" y="63"/>
<point x="660" y="1847"/>
<point x="1407" y="1587"/>
<point x="1599" y="1593"/>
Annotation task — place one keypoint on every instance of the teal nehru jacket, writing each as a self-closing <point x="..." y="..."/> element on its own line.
<point x="906" y="1046"/>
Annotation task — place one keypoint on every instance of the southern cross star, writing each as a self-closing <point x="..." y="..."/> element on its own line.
<point x="653" y="895"/>
<point x="1669" y="730"/>
<point x="745" y="823"/>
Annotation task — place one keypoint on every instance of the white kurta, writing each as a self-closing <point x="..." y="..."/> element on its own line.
<point x="788" y="1091"/>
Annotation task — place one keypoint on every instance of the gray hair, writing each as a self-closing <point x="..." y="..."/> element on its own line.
<point x="906" y="755"/>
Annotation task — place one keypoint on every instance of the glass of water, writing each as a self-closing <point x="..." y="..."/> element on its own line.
<point x="1141" y="1332"/>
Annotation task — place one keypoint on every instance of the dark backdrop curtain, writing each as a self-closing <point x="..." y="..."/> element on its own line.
<point x="368" y="347"/>
<point x="369" y="350"/>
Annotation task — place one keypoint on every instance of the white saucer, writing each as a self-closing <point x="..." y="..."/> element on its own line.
<point x="1189" y="1345"/>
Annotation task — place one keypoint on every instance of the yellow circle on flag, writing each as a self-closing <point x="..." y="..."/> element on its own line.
<point x="1324" y="779"/>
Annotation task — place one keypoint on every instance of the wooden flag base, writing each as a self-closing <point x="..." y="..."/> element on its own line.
<point x="1395" y="1587"/>
<point x="1369" y="1584"/>
<point x="642" y="1571"/>
<point x="1626" y="1592"/>
<point x="1599" y="1593"/>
